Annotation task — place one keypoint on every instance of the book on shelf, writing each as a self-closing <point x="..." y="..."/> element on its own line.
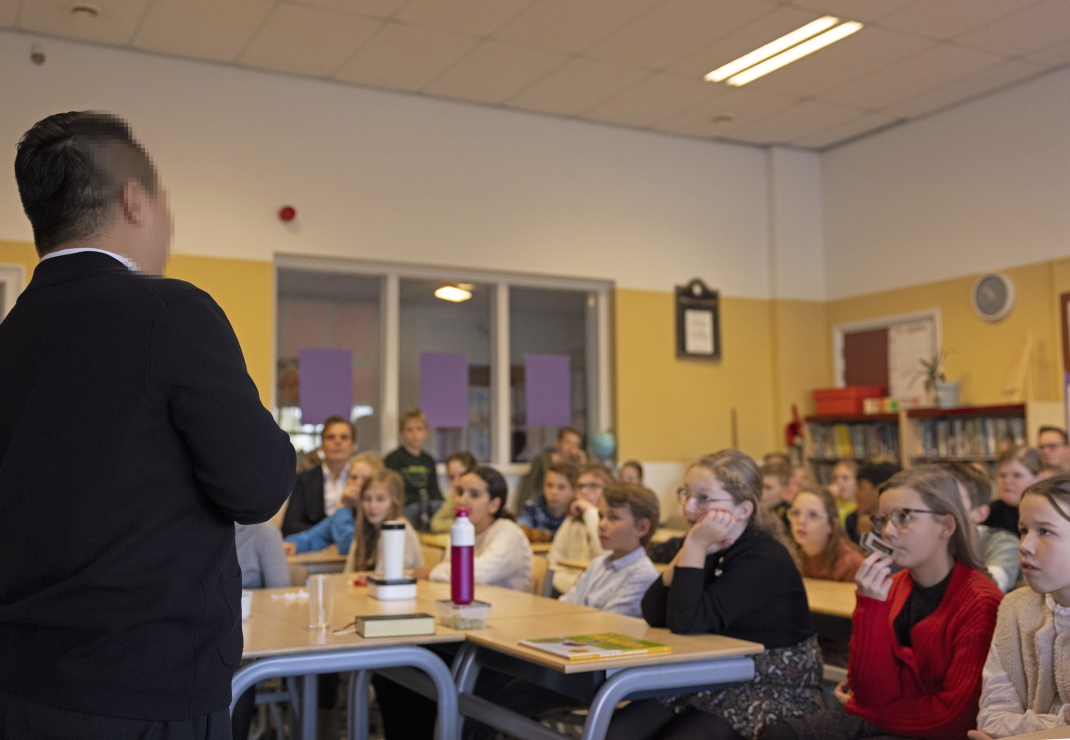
<point x="395" y="625"/>
<point x="594" y="647"/>
<point x="969" y="437"/>
<point x="855" y="440"/>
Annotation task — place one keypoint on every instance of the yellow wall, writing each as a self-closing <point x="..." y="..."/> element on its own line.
<point x="670" y="409"/>
<point x="802" y="358"/>
<point x="983" y="355"/>
<point x="245" y="289"/>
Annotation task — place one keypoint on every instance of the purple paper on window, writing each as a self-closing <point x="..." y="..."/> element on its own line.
<point x="547" y="390"/>
<point x="326" y="384"/>
<point x="444" y="389"/>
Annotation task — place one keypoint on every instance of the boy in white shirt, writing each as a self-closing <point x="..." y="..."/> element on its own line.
<point x="616" y="582"/>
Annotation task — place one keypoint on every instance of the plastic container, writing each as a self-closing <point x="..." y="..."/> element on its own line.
<point x="471" y="616"/>
<point x="392" y="537"/>
<point x="835" y="401"/>
<point x="462" y="559"/>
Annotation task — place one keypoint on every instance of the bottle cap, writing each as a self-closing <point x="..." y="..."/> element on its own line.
<point x="460" y="511"/>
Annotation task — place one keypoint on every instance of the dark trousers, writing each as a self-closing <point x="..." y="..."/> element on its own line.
<point x="24" y="720"/>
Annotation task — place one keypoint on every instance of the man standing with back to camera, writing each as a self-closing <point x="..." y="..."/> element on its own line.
<point x="131" y="440"/>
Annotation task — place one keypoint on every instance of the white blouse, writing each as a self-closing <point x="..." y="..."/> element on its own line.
<point x="1002" y="711"/>
<point x="503" y="558"/>
<point x="576" y="539"/>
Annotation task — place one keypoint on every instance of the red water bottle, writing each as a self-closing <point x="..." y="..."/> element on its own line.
<point x="462" y="553"/>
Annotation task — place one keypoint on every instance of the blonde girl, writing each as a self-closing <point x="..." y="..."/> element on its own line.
<point x="845" y="487"/>
<point x="1027" y="674"/>
<point x="382" y="499"/>
<point x="733" y="577"/>
<point x="1016" y="470"/>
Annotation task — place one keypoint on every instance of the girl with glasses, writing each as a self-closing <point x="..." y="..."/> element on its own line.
<point x="732" y="576"/>
<point x="577" y="537"/>
<point x="820" y="540"/>
<point x="1027" y="674"/>
<point x="919" y="637"/>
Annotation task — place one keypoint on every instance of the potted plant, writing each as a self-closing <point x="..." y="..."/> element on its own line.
<point x="945" y="392"/>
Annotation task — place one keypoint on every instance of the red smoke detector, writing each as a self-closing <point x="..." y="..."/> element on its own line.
<point x="287" y="213"/>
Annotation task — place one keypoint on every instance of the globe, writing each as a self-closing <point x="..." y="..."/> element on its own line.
<point x="603" y="444"/>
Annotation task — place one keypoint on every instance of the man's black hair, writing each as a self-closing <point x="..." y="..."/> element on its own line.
<point x="70" y="168"/>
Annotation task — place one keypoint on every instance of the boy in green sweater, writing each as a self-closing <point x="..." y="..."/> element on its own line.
<point x="417" y="469"/>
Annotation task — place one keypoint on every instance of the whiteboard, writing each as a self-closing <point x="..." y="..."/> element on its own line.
<point x="909" y="343"/>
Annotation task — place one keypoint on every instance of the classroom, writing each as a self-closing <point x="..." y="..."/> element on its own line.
<point x="488" y="326"/>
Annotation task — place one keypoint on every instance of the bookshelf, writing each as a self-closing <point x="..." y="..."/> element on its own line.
<point x="929" y="435"/>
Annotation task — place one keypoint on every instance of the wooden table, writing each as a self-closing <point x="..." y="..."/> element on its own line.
<point x="834" y="598"/>
<point x="326" y="560"/>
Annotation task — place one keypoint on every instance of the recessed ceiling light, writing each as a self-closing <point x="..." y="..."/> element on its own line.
<point x="453" y="293"/>
<point x="772" y="48"/>
<point x="84" y="11"/>
<point x="795" y="53"/>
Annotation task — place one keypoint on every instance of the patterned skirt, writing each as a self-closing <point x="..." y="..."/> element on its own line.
<point x="786" y="685"/>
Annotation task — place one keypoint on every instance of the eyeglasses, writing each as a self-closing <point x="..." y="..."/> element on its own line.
<point x="702" y="501"/>
<point x="901" y="518"/>
<point x="797" y="515"/>
<point x="583" y="486"/>
<point x="1050" y="446"/>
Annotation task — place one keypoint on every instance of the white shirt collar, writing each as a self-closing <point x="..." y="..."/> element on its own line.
<point x="75" y="250"/>
<point x="625" y="561"/>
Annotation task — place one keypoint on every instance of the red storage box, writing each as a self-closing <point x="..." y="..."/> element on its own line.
<point x="833" y="401"/>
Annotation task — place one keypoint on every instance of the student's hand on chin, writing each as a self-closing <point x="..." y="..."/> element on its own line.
<point x="842" y="692"/>
<point x="711" y="531"/>
<point x="578" y="506"/>
<point x="874" y="577"/>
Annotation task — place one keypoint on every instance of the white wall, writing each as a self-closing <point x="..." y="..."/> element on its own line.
<point x="404" y="178"/>
<point x="797" y="240"/>
<point x="979" y="187"/>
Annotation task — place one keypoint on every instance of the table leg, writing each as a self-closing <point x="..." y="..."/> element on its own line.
<point x="465" y="672"/>
<point x="309" y="706"/>
<point x="359" y="716"/>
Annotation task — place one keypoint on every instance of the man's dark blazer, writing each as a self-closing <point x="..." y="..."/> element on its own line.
<point x="131" y="440"/>
<point x="306" y="503"/>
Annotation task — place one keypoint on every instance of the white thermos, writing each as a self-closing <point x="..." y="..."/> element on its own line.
<point x="393" y="550"/>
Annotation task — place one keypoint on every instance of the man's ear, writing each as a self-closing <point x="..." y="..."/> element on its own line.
<point x="134" y="202"/>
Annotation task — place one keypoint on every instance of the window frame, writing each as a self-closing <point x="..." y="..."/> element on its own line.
<point x="598" y="328"/>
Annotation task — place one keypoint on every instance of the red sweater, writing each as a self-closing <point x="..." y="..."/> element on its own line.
<point x="932" y="689"/>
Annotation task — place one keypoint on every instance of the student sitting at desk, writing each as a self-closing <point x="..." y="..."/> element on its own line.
<point x="777" y="491"/>
<point x="821" y="544"/>
<point x="616" y="581"/>
<point x="871" y="476"/>
<point x="318" y="491"/>
<point x="844" y="487"/>
<point x="997" y="548"/>
<point x="540" y="518"/>
<point x="1016" y="470"/>
<point x="457" y="465"/>
<point x="732" y="577"/>
<point x="502" y="555"/>
<point x="337" y="529"/>
<point x="1027" y="674"/>
<point x="919" y="637"/>
<point x="577" y="537"/>
<point x="631" y="471"/>
<point x="382" y="499"/>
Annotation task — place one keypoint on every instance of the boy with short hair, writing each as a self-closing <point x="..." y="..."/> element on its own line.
<point x="616" y="582"/>
<point x="998" y="548"/>
<point x="776" y="488"/>
<point x="541" y="518"/>
<point x="417" y="469"/>
<point x="871" y="476"/>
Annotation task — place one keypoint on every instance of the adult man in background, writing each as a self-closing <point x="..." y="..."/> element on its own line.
<point x="318" y="492"/>
<point x="119" y="584"/>
<point x="1054" y="449"/>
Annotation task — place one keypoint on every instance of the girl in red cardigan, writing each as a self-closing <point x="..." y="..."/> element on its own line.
<point x="920" y="637"/>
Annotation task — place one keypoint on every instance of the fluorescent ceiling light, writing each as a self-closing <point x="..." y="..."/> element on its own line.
<point x="798" y="52"/>
<point x="772" y="48"/>
<point x="453" y="293"/>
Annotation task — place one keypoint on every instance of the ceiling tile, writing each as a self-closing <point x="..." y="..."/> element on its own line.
<point x="653" y="100"/>
<point x="841" y="132"/>
<point x="570" y="25"/>
<point x="377" y="8"/>
<point x="1055" y="55"/>
<point x="962" y="90"/>
<point x="754" y="35"/>
<point x="846" y="60"/>
<point x="114" y="25"/>
<point x="945" y="19"/>
<point x="744" y="106"/>
<point x="854" y="10"/>
<point x="676" y="29"/>
<point x="804" y="119"/>
<point x="1031" y="29"/>
<point x="576" y="86"/>
<point x="494" y="72"/>
<point x="405" y="57"/>
<point x="9" y="10"/>
<point x="911" y="76"/>
<point x="308" y="41"/>
<point x="477" y="17"/>
<point x="204" y="29"/>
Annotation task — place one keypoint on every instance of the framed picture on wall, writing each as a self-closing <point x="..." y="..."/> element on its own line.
<point x="698" y="322"/>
